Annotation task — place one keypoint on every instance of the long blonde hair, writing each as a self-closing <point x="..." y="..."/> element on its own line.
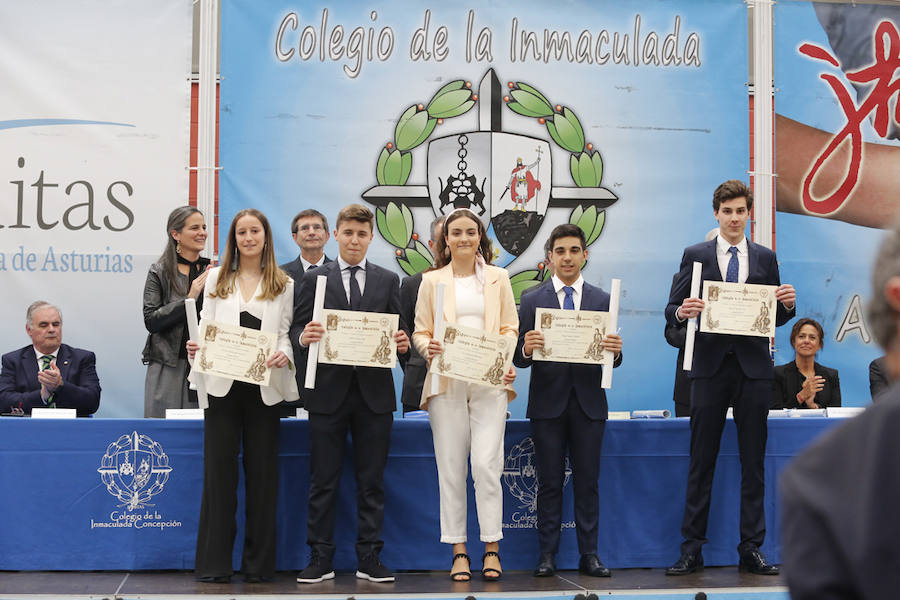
<point x="274" y="280"/>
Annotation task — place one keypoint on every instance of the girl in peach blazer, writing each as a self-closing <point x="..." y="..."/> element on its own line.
<point x="466" y="418"/>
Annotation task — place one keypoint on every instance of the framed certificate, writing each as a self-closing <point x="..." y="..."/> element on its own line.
<point x="474" y="355"/>
<point x="571" y="336"/>
<point x="359" y="339"/>
<point x="738" y="309"/>
<point x="234" y="352"/>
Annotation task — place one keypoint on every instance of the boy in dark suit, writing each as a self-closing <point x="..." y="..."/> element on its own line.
<point x="566" y="405"/>
<point x="48" y="373"/>
<point x="360" y="400"/>
<point x="728" y="370"/>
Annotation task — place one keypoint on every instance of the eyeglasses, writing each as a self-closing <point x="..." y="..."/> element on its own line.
<point x="305" y="228"/>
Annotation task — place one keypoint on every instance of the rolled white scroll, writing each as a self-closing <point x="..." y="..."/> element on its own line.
<point x="692" y="323"/>
<point x="312" y="357"/>
<point x="611" y="325"/>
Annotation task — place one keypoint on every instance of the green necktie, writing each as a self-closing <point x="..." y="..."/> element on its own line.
<point x="45" y="364"/>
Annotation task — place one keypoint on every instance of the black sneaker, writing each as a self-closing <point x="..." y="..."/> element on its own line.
<point x="370" y="568"/>
<point x="317" y="570"/>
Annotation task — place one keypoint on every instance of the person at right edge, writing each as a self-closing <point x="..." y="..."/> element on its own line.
<point x="566" y="405"/>
<point x="728" y="370"/>
<point x="839" y="529"/>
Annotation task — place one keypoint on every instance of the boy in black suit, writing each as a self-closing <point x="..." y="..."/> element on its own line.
<point x="360" y="400"/>
<point x="566" y="405"/>
<point x="728" y="370"/>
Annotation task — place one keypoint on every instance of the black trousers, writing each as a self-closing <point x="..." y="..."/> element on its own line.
<point x="582" y="437"/>
<point x="710" y="398"/>
<point x="240" y="418"/>
<point x="371" y="435"/>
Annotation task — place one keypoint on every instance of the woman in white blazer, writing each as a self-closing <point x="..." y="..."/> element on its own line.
<point x="467" y="418"/>
<point x="248" y="290"/>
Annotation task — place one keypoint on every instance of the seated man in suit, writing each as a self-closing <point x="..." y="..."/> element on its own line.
<point x="839" y="529"/>
<point x="566" y="405"/>
<point x="48" y="373"/>
<point x="346" y="399"/>
<point x="878" y="378"/>
<point x="414" y="367"/>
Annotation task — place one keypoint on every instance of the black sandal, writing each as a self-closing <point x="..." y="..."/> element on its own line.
<point x="461" y="575"/>
<point x="486" y="570"/>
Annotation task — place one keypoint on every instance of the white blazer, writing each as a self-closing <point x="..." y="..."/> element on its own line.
<point x="276" y="319"/>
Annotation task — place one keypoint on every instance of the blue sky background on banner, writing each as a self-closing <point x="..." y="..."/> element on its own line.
<point x="301" y="134"/>
<point x="828" y="261"/>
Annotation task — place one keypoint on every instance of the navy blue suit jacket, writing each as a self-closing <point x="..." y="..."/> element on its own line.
<point x="381" y="294"/>
<point x="19" y="386"/>
<point x="710" y="348"/>
<point x="551" y="382"/>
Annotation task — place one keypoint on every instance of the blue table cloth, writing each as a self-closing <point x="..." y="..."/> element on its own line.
<point x="121" y="494"/>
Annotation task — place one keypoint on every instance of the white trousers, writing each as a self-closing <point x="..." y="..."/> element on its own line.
<point x="469" y="419"/>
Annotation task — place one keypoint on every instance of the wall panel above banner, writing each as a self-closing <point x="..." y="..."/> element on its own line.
<point x="627" y="116"/>
<point x="94" y="130"/>
<point x="836" y="72"/>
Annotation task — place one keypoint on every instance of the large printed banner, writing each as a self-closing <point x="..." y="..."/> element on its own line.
<point x="94" y="124"/>
<point x="838" y="160"/>
<point x="621" y="117"/>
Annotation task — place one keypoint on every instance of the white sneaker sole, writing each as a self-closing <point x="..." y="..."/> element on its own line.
<point x="317" y="579"/>
<point x="361" y="575"/>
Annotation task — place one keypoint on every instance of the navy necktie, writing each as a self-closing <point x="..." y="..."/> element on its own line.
<point x="731" y="274"/>
<point x="568" y="301"/>
<point x="355" y="294"/>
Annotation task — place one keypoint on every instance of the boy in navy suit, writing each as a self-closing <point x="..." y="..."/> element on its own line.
<point x="358" y="400"/>
<point x="728" y="370"/>
<point x="566" y="405"/>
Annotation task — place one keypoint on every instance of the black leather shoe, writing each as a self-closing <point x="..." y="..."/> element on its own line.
<point x="591" y="565"/>
<point x="688" y="563"/>
<point x="756" y="563"/>
<point x="214" y="579"/>
<point x="546" y="566"/>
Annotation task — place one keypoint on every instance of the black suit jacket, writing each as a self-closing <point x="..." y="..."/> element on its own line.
<point x="19" y="386"/>
<point x="294" y="268"/>
<point x="381" y="294"/>
<point x="878" y="377"/>
<point x="789" y="381"/>
<point x="551" y="382"/>
<point x="710" y="348"/>
<point x="414" y="365"/>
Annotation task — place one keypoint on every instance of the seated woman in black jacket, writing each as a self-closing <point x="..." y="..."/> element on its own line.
<point x="178" y="274"/>
<point x="804" y="383"/>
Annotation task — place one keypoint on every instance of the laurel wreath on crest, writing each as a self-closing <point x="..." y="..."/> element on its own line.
<point x="395" y="221"/>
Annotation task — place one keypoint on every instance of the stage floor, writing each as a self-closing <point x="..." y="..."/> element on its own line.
<point x="726" y="582"/>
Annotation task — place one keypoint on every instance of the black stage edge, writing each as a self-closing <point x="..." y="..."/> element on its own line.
<point x="118" y="584"/>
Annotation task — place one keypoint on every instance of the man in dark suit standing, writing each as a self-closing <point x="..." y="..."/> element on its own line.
<point x="48" y="374"/>
<point x="728" y="370"/>
<point x="309" y="228"/>
<point x="358" y="400"/>
<point x="566" y="405"/>
<point x="414" y="366"/>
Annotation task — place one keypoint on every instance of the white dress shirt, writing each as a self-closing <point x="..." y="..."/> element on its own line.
<point x="360" y="276"/>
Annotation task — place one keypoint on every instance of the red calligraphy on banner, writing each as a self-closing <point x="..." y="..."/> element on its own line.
<point x="881" y="72"/>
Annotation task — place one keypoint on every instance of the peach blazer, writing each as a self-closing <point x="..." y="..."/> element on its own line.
<point x="500" y="315"/>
